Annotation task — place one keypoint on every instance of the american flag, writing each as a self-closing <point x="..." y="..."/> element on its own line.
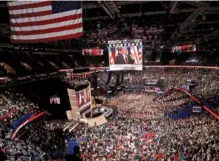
<point x="42" y="21"/>
<point x="137" y="51"/>
<point x="113" y="53"/>
<point x="80" y="98"/>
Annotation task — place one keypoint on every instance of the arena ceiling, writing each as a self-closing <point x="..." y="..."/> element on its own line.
<point x="183" y="21"/>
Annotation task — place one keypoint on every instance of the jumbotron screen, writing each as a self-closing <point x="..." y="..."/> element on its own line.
<point x="125" y="55"/>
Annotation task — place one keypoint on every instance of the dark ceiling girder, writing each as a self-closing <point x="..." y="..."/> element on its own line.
<point x="196" y="4"/>
<point x="165" y="6"/>
<point x="189" y="21"/>
<point x="207" y="10"/>
<point x="192" y="31"/>
<point x="47" y="50"/>
<point x="210" y="35"/>
<point x="106" y="9"/>
<point x="112" y="7"/>
<point x="202" y="22"/>
<point x="117" y="3"/>
<point x="173" y="6"/>
<point x="94" y="5"/>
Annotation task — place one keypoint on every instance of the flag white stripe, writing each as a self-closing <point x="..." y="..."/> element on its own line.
<point x="46" y="17"/>
<point x="22" y="2"/>
<point x="140" y="55"/>
<point x="48" y="35"/>
<point x="48" y="26"/>
<point x="30" y="10"/>
<point x="136" y="53"/>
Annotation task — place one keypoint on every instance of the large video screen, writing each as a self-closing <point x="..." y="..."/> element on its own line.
<point x="93" y="52"/>
<point x="83" y="99"/>
<point x="125" y="54"/>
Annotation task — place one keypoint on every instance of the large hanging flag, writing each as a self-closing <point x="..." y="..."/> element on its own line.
<point x="42" y="21"/>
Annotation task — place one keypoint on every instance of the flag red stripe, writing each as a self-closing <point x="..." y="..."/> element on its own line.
<point x="50" y="30"/>
<point x="27" y="15"/>
<point x="45" y="22"/>
<point x="48" y="39"/>
<point x="33" y="5"/>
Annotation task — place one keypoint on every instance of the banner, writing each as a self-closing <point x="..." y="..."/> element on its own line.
<point x="184" y="48"/>
<point x="17" y="123"/>
<point x="152" y="83"/>
<point x="158" y="90"/>
<point x="93" y="52"/>
<point x="32" y="118"/>
<point x="125" y="54"/>
<point x="186" y="87"/>
<point x="196" y="109"/>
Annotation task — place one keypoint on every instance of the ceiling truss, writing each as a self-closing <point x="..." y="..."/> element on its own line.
<point x="111" y="8"/>
<point x="209" y="10"/>
<point x="173" y="6"/>
<point x="106" y="9"/>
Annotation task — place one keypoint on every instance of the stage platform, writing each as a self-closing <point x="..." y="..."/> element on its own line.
<point x="96" y="121"/>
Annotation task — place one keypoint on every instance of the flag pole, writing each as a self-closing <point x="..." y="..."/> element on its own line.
<point x="91" y="108"/>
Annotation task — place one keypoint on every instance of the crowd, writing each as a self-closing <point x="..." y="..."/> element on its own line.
<point x="13" y="106"/>
<point x="41" y="140"/>
<point x="101" y="32"/>
<point x="141" y="131"/>
<point x="16" y="105"/>
<point x="138" y="130"/>
<point x="175" y="100"/>
<point x="205" y="81"/>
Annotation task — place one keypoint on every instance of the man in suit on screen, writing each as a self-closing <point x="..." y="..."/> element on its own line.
<point x="123" y="57"/>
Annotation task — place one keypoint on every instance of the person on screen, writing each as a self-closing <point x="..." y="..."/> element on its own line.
<point x="123" y="57"/>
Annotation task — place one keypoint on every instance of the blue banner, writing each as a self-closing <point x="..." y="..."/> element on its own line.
<point x="186" y="111"/>
<point x="17" y="123"/>
<point x="71" y="145"/>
